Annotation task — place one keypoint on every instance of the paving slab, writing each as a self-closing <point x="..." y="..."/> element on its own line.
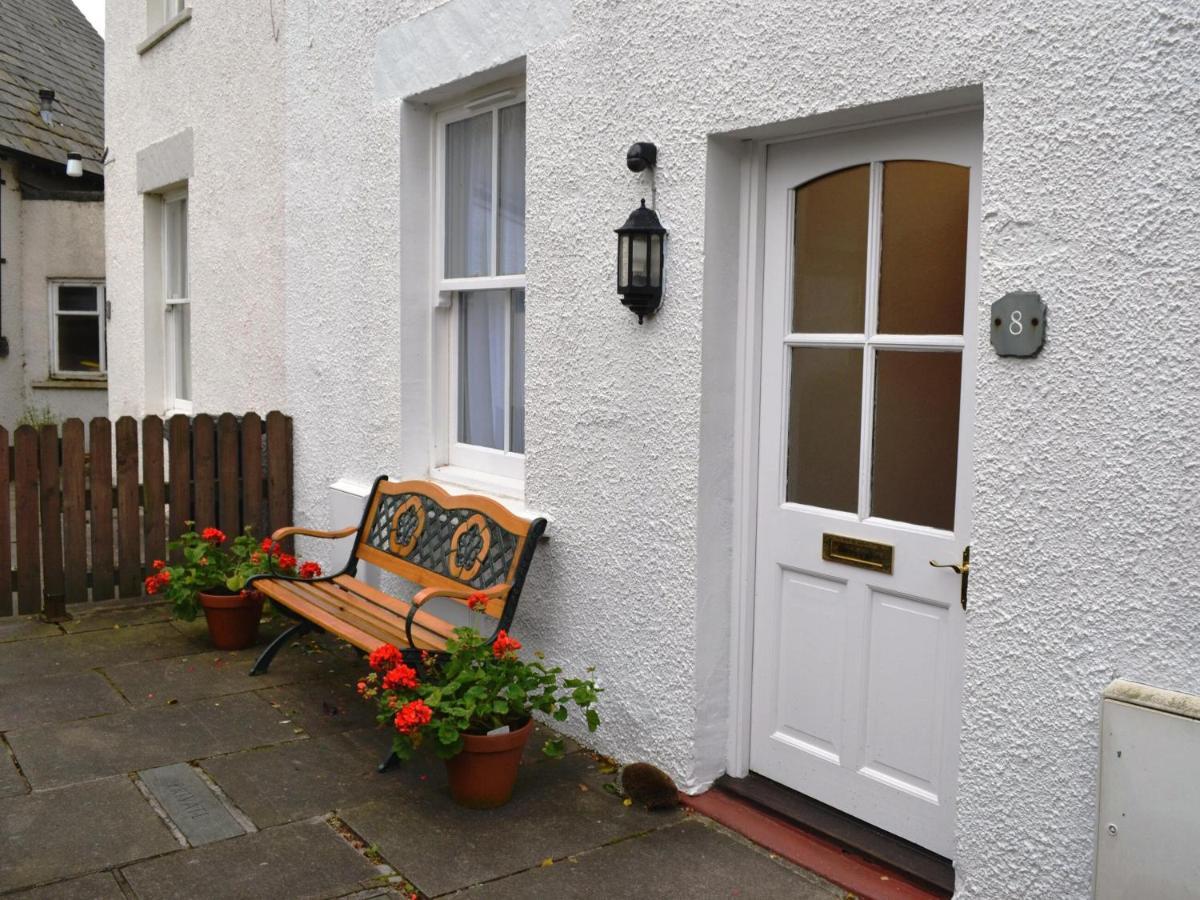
<point x="20" y="628"/>
<point x="57" y="698"/>
<point x="558" y="809"/>
<point x="690" y="859"/>
<point x="98" y="617"/>
<point x="306" y="859"/>
<point x="209" y="673"/>
<point x="11" y="782"/>
<point x="57" y="834"/>
<point x="303" y="779"/>
<point x="54" y="755"/>
<point x="329" y="705"/>
<point x="101" y="886"/>
<point x="190" y="804"/>
<point x="57" y="655"/>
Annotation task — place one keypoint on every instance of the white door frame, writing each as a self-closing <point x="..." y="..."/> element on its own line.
<point x="748" y="367"/>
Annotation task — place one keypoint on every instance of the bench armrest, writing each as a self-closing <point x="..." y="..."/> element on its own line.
<point x="458" y="593"/>
<point x="282" y="533"/>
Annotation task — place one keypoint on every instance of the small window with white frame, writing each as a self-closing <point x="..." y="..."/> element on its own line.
<point x="177" y="302"/>
<point x="77" y="333"/>
<point x="480" y="268"/>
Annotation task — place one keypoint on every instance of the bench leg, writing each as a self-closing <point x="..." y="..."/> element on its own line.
<point x="390" y="760"/>
<point x="264" y="659"/>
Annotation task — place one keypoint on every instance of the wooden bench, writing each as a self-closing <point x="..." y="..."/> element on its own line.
<point x="448" y="545"/>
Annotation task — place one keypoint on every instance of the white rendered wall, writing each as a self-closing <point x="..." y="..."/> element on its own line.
<point x="1085" y="457"/>
<point x="219" y="74"/>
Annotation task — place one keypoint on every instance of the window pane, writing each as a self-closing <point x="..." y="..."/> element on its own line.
<point x="824" y="427"/>
<point x="916" y="437"/>
<point x="517" y="426"/>
<point x="481" y="368"/>
<point x="469" y="197"/>
<point x="829" y="284"/>
<point x="511" y="236"/>
<point x="76" y="298"/>
<point x="79" y="344"/>
<point x="179" y="318"/>
<point x="923" y="266"/>
<point x="175" y="251"/>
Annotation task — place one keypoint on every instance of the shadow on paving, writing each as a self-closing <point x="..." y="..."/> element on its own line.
<point x="98" y="716"/>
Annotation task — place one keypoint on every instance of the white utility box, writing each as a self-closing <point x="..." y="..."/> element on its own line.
<point x="1148" y="834"/>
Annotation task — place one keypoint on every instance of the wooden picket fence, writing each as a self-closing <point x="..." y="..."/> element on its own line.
<point x="88" y="514"/>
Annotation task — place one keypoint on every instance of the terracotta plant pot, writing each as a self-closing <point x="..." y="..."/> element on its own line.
<point x="232" y="618"/>
<point x="483" y="774"/>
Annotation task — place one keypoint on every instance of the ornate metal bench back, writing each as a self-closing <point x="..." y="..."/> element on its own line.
<point x="465" y="539"/>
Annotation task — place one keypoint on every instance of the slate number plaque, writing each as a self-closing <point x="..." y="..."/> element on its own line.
<point x="1018" y="324"/>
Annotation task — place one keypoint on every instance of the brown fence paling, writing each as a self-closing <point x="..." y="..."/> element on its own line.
<point x="86" y="520"/>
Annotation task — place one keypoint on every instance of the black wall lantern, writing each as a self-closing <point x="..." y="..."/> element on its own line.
<point x="640" y="246"/>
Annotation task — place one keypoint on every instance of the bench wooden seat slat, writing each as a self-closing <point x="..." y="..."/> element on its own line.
<point x="365" y="616"/>
<point x="455" y="544"/>
<point x="398" y="607"/>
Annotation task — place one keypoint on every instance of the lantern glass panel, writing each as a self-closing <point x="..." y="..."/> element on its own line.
<point x="623" y="262"/>
<point x="641" y="261"/>
<point x="656" y="260"/>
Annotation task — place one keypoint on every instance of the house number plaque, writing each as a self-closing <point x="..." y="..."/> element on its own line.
<point x="856" y="552"/>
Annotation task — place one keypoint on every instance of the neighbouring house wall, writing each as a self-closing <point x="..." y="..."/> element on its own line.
<point x="219" y="75"/>
<point x="59" y="239"/>
<point x="43" y="239"/>
<point x="1086" y="482"/>
<point x="12" y="370"/>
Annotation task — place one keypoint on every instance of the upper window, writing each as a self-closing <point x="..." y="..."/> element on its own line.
<point x="177" y="302"/>
<point x="77" y="340"/>
<point x="481" y="267"/>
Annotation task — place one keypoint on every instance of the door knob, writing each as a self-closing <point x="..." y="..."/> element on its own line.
<point x="963" y="569"/>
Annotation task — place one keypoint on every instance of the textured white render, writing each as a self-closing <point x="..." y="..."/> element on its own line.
<point x="43" y="239"/>
<point x="220" y="74"/>
<point x="1086" y="472"/>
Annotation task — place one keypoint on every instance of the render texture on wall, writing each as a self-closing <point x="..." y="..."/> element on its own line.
<point x="1086" y="484"/>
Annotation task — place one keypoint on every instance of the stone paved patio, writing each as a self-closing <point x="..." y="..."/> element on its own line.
<point x="136" y="762"/>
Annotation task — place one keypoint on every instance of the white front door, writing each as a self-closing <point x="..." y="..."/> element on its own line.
<point x="869" y="273"/>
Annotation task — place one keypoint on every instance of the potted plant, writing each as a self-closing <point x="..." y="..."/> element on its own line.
<point x="211" y="574"/>
<point x="474" y="705"/>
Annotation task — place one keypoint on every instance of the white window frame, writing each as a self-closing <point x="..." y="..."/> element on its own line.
<point x="501" y="469"/>
<point x="57" y="371"/>
<point x="174" y="403"/>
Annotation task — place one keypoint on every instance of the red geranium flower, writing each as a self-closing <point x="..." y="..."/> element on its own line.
<point x="412" y="716"/>
<point x="158" y="564"/>
<point x="478" y="600"/>
<point x="163" y="577"/>
<point x="214" y="536"/>
<point x="151" y="584"/>
<point x="400" y="676"/>
<point x="382" y="659"/>
<point x="503" y="645"/>
<point x="287" y="561"/>
<point x="310" y="570"/>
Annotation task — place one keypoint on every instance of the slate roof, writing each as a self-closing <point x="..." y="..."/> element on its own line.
<point x="49" y="44"/>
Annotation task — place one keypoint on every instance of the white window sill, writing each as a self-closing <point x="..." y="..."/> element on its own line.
<point x="67" y="383"/>
<point x="508" y="492"/>
<point x="185" y="15"/>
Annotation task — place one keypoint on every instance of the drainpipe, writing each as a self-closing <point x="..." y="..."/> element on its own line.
<point x="3" y="339"/>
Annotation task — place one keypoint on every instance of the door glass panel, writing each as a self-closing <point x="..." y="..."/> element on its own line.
<point x="915" y="455"/>
<point x="829" y="278"/>
<point x="824" y="412"/>
<point x="923" y="262"/>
